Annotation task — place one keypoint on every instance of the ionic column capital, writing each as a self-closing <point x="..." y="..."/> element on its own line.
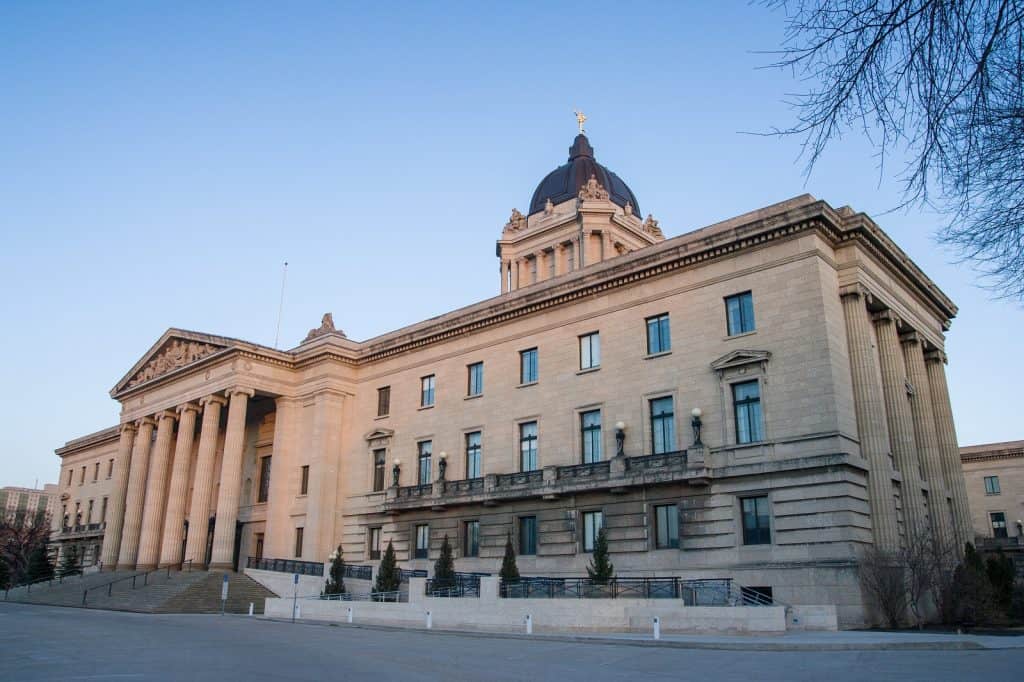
<point x="145" y="421"/>
<point x="128" y="427"/>
<point x="936" y="355"/>
<point x="187" y="407"/>
<point x="215" y="399"/>
<point x="886" y="316"/>
<point x="165" y="414"/>
<point x="910" y="338"/>
<point x="856" y="290"/>
<point x="239" y="389"/>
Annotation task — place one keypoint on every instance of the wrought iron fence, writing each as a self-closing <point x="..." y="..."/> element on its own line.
<point x="714" y="592"/>
<point x="359" y="572"/>
<point x="463" y="585"/>
<point x="396" y="596"/>
<point x="405" y="574"/>
<point x="286" y="566"/>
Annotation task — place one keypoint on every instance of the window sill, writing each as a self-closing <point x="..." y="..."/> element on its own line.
<point x="729" y="337"/>
<point x="381" y="416"/>
<point x="992" y="494"/>
<point x="425" y="407"/>
<point x="529" y="383"/>
<point x="589" y="370"/>
<point x="474" y="397"/>
<point x="302" y="496"/>
<point x="651" y="356"/>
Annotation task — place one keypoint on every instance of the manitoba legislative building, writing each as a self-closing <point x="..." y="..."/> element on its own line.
<point x="760" y="399"/>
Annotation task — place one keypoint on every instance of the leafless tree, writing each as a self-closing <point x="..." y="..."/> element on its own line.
<point x="20" y="535"/>
<point x="883" y="580"/>
<point x="942" y="82"/>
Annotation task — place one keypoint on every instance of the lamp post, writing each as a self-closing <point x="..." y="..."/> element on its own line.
<point x="442" y="465"/>
<point x="695" y="422"/>
<point x="620" y="439"/>
<point x="396" y="471"/>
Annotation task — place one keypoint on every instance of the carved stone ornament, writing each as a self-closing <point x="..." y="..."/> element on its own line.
<point x="549" y="208"/>
<point x="516" y="222"/>
<point x="628" y="208"/>
<point x="176" y="354"/>
<point x="593" y="190"/>
<point x="326" y="327"/>
<point x="620" y="248"/>
<point x="651" y="227"/>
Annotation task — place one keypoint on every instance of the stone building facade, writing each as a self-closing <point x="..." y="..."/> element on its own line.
<point x="28" y="503"/>
<point x="84" y="491"/>
<point x="757" y="399"/>
<point x="994" y="475"/>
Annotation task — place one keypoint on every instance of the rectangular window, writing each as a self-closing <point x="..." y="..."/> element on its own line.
<point x="110" y="468"/>
<point x="663" y="426"/>
<point x="590" y="351"/>
<point x="298" y="542"/>
<point x="659" y="338"/>
<point x="570" y="257"/>
<point x="593" y="521"/>
<point x="666" y="526"/>
<point x="374" y="543"/>
<point x="422" y="541"/>
<point x="96" y="472"/>
<point x="304" y="480"/>
<point x="81" y="478"/>
<point x="756" y="524"/>
<point x="527" y="535"/>
<point x="427" y="391"/>
<point x="383" y="401"/>
<point x="471" y="545"/>
<point x="528" y="446"/>
<point x="739" y="312"/>
<point x="746" y="400"/>
<point x="590" y="433"/>
<point x="476" y="379"/>
<point x="103" y="510"/>
<point x="998" y="520"/>
<point x="379" y="465"/>
<point x="528" y="366"/>
<point x="473" y="469"/>
<point x="264" y="479"/>
<point x="992" y="485"/>
<point x="88" y="514"/>
<point x="425" y="449"/>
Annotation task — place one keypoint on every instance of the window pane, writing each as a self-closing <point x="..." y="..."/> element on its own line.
<point x="756" y="524"/>
<point x="590" y="431"/>
<point x="472" y="541"/>
<point x="528" y="535"/>
<point x="667" y="526"/>
<point x="658" y="339"/>
<point x="422" y="541"/>
<point x="476" y="378"/>
<point x="528" y="366"/>
<point x="425" y="450"/>
<point x="528" y="446"/>
<point x="663" y="436"/>
<point x="264" y="492"/>
<point x="590" y="351"/>
<point x="427" y="391"/>
<point x="383" y="401"/>
<point x="473" y="455"/>
<point x="747" y="409"/>
<point x="740" y="313"/>
<point x="592" y="523"/>
<point x="998" y="524"/>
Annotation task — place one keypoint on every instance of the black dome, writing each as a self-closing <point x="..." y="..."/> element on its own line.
<point x="565" y="182"/>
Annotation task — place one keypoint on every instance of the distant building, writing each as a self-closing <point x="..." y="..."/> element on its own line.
<point x="994" y="475"/>
<point x="28" y="502"/>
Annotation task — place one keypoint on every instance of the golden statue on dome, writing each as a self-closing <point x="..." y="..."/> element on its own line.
<point x="580" y="119"/>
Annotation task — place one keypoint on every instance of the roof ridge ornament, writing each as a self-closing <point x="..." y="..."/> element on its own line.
<point x="326" y="327"/>
<point x="516" y="222"/>
<point x="580" y="120"/>
<point x="651" y="227"/>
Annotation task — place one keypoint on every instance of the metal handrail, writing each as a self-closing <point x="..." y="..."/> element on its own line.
<point x="134" y="578"/>
<point x="707" y="592"/>
<point x="395" y="596"/>
<point x="49" y="581"/>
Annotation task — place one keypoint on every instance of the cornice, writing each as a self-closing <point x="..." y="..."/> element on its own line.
<point x="111" y="434"/>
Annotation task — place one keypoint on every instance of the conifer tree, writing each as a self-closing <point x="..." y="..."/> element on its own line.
<point x="39" y="566"/>
<point x="601" y="569"/>
<point x="388" y="577"/>
<point x="444" y="567"/>
<point x="69" y="562"/>
<point x="509" y="570"/>
<point x="336" y="576"/>
<point x="5" y="575"/>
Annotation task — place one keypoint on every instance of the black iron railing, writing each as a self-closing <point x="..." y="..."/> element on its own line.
<point x="462" y="585"/>
<point x="286" y="566"/>
<point x="359" y="572"/>
<point x="134" y="578"/>
<point x="405" y="574"/>
<point x="714" y="592"/>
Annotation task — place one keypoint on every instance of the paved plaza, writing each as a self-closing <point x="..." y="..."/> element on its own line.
<point x="50" y="643"/>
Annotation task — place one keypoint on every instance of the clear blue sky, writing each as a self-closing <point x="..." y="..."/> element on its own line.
<point x="158" y="162"/>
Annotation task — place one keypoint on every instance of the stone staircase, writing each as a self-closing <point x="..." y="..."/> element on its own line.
<point x="158" y="592"/>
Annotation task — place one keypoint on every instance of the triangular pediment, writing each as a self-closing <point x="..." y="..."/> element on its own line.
<point x="379" y="433"/>
<point x="738" y="358"/>
<point x="174" y="350"/>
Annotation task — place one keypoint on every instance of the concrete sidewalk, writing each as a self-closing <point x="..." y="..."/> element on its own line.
<point x="846" y="640"/>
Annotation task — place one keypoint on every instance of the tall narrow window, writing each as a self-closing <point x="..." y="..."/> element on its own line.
<point x="739" y="312"/>
<point x="264" y="492"/>
<point x="427" y="391"/>
<point x="81" y="479"/>
<point x="593" y="521"/>
<point x="304" y="480"/>
<point x="70" y="474"/>
<point x="383" y="401"/>
<point x="88" y="513"/>
<point x="110" y="468"/>
<point x="298" y="542"/>
<point x="756" y="522"/>
<point x="422" y="541"/>
<point x="379" y="457"/>
<point x="659" y="338"/>
<point x="528" y="446"/>
<point x="527" y="535"/>
<point x="475" y="379"/>
<point x="992" y="485"/>
<point x="471" y="544"/>
<point x="746" y="399"/>
<point x="590" y="433"/>
<point x="550" y="257"/>
<point x="663" y="426"/>
<point x="473" y="469"/>
<point x="533" y="269"/>
<point x="590" y="351"/>
<point x="96" y="472"/>
<point x="103" y="510"/>
<point x="998" y="520"/>
<point x="528" y="366"/>
<point x="666" y="526"/>
<point x="425" y="449"/>
<point x="374" y="543"/>
<point x="570" y="257"/>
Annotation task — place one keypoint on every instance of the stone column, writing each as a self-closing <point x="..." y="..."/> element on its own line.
<point x="230" y="480"/>
<point x="174" y="521"/>
<point x="156" y="487"/>
<point x="115" y="508"/>
<point x="324" y="460"/>
<point x="871" y="419"/>
<point x="504" y="276"/>
<point x="924" y="434"/>
<point x="949" y="450"/>
<point x="135" y="495"/>
<point x="515" y="273"/>
<point x="901" y="423"/>
<point x="284" y="479"/>
<point x="202" y="484"/>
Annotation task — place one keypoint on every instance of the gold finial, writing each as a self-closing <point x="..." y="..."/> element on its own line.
<point x="580" y="119"/>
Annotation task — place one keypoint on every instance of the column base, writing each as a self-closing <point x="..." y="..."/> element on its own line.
<point x="220" y="567"/>
<point x="144" y="567"/>
<point x="109" y="568"/>
<point x="125" y="567"/>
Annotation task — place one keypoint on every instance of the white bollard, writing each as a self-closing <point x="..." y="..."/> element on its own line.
<point x="350" y="614"/>
<point x="430" y="620"/>
<point x="657" y="628"/>
<point x="250" y="608"/>
<point x="298" y="610"/>
<point x="529" y="624"/>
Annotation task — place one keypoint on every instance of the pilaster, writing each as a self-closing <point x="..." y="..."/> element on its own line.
<point x="284" y="479"/>
<point x="324" y="455"/>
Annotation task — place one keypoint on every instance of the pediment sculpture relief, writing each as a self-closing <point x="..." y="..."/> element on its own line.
<point x="175" y="354"/>
<point x="593" y="190"/>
